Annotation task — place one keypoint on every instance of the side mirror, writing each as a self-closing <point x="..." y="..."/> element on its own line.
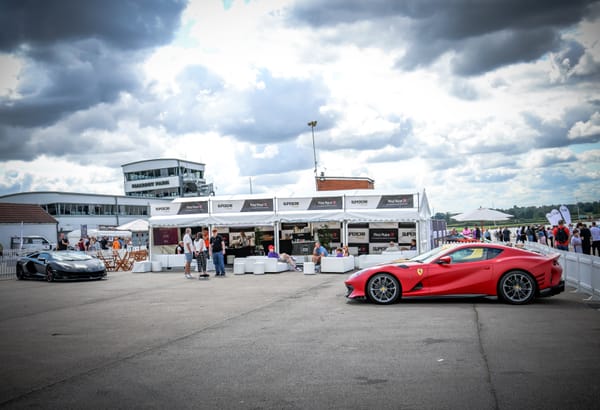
<point x="43" y="260"/>
<point x="445" y="260"/>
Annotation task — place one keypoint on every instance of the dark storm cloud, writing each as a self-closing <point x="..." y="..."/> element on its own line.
<point x="124" y="24"/>
<point x="78" y="53"/>
<point x="483" y="34"/>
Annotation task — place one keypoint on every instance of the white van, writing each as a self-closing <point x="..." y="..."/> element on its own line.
<point x="32" y="243"/>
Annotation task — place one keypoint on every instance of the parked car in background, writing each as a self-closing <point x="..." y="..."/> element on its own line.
<point x="514" y="275"/>
<point x="50" y="265"/>
<point x="32" y="243"/>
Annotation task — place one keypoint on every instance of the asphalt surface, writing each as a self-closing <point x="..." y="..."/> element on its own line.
<point x="287" y="341"/>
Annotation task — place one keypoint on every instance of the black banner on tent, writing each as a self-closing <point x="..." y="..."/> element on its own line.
<point x="323" y="203"/>
<point x="258" y="205"/>
<point x="383" y="235"/>
<point x="395" y="201"/>
<point x="200" y="207"/>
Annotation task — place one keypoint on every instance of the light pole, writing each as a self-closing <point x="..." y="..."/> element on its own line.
<point x="312" y="126"/>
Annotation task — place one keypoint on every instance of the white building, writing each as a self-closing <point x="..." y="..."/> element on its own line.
<point x="165" y="178"/>
<point x="95" y="211"/>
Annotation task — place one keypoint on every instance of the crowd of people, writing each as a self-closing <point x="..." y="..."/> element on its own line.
<point x="579" y="238"/>
<point x="93" y="244"/>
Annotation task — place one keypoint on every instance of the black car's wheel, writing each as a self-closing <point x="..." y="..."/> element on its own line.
<point x="20" y="273"/>
<point x="517" y="287"/>
<point x="49" y="274"/>
<point x="383" y="288"/>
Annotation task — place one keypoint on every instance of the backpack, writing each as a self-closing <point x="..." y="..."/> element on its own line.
<point x="561" y="235"/>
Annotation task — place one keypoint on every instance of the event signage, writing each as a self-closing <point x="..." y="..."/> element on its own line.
<point x="258" y="205"/>
<point x="383" y="235"/>
<point x="358" y="235"/>
<point x="196" y="207"/>
<point x="362" y="202"/>
<point x="241" y="205"/>
<point x="325" y="203"/>
<point x="395" y="201"/>
<point x="165" y="209"/>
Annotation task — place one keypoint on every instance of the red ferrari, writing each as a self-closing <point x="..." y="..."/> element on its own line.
<point x="515" y="275"/>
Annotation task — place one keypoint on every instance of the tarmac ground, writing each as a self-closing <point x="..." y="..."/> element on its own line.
<point x="287" y="341"/>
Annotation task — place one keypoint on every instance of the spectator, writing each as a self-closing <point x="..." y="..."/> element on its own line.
<point x="283" y="257"/>
<point x="179" y="250"/>
<point x="392" y="248"/>
<point x="188" y="252"/>
<point x="561" y="236"/>
<point x="576" y="241"/>
<point x="595" y="232"/>
<point x="318" y="252"/>
<point x="217" y="251"/>
<point x="200" y="253"/>
<point x="506" y="234"/>
<point x="586" y="239"/>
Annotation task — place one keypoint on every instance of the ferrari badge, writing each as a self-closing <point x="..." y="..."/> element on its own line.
<point x="419" y="271"/>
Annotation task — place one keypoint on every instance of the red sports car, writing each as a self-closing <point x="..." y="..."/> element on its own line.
<point x="515" y="275"/>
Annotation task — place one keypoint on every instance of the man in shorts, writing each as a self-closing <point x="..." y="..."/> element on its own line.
<point x="188" y="252"/>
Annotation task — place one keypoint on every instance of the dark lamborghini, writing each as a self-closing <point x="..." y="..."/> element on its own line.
<point x="66" y="265"/>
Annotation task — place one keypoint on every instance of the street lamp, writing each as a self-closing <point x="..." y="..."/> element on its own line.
<point x="312" y="126"/>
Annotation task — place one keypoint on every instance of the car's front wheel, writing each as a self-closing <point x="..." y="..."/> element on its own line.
<point x="383" y="289"/>
<point x="49" y="274"/>
<point x="20" y="273"/>
<point x="517" y="287"/>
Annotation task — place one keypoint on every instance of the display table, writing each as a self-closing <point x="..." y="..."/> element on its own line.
<point x="335" y="264"/>
<point x="156" y="266"/>
<point x="141" y="266"/>
<point x="239" y="266"/>
<point x="309" y="268"/>
<point x="259" y="268"/>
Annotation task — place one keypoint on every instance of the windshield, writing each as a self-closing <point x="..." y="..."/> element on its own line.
<point x="71" y="256"/>
<point x="433" y="254"/>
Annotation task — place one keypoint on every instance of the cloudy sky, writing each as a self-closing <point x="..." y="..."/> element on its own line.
<point x="481" y="103"/>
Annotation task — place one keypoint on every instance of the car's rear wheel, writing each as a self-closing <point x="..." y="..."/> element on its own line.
<point x="383" y="289"/>
<point x="20" y="273"/>
<point x="49" y="274"/>
<point x="517" y="287"/>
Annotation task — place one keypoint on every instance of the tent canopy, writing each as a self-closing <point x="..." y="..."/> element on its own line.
<point x="483" y="214"/>
<point x="139" y="225"/>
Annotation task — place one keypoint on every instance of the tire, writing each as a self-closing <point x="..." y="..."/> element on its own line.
<point x="20" y="273"/>
<point x="517" y="287"/>
<point x="383" y="289"/>
<point x="49" y="274"/>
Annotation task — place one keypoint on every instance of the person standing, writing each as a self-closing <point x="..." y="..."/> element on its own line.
<point x="561" y="236"/>
<point x="595" y="232"/>
<point x="199" y="249"/>
<point x="63" y="243"/>
<point x="217" y="252"/>
<point x="188" y="252"/>
<point x="506" y="234"/>
<point x="586" y="239"/>
<point x="576" y="242"/>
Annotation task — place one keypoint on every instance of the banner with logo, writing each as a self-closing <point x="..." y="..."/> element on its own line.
<point x="383" y="235"/>
<point x="197" y="207"/>
<point x="242" y="205"/>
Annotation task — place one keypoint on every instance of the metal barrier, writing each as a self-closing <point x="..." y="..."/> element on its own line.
<point x="8" y="263"/>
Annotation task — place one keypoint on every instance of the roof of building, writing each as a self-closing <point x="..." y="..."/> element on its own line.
<point x="26" y="213"/>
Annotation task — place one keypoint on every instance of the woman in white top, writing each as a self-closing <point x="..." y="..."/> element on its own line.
<point x="576" y="242"/>
<point x="200" y="254"/>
